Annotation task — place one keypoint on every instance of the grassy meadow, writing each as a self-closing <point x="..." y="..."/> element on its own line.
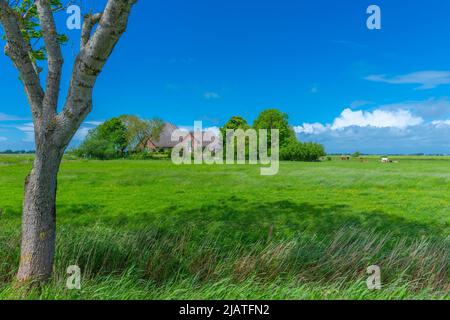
<point x="153" y="230"/>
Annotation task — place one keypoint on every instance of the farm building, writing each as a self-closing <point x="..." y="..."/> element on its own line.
<point x="165" y="143"/>
<point x="165" y="139"/>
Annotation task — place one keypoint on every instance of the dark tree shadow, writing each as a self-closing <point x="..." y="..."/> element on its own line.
<point x="80" y="209"/>
<point x="239" y="220"/>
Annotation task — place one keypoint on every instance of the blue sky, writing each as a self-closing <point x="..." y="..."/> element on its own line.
<point x="348" y="87"/>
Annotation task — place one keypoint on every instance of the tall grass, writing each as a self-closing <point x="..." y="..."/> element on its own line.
<point x="156" y="264"/>
<point x="153" y="230"/>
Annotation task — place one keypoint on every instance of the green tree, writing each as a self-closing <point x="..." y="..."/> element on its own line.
<point x="235" y="123"/>
<point x="295" y="150"/>
<point x="275" y="119"/>
<point x="139" y="130"/>
<point x="107" y="141"/>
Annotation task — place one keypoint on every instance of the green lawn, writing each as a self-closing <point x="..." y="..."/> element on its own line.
<point x="153" y="230"/>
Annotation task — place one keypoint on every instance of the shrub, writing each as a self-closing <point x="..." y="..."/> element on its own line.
<point x="107" y="141"/>
<point x="298" y="151"/>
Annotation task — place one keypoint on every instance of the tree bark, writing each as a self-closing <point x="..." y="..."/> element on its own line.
<point x="39" y="217"/>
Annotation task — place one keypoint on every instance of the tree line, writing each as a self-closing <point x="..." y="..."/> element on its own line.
<point x="119" y="137"/>
<point x="291" y="149"/>
<point x="125" y="136"/>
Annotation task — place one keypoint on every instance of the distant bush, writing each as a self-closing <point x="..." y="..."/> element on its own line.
<point x="298" y="151"/>
<point x="17" y="152"/>
<point x="148" y="155"/>
<point x="356" y="154"/>
<point x="140" y="156"/>
<point x="105" y="142"/>
<point x="94" y="148"/>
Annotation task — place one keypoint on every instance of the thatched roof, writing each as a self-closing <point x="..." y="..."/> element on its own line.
<point x="165" y="138"/>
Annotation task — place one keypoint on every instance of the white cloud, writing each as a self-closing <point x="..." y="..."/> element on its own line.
<point x="214" y="130"/>
<point x="431" y="108"/>
<point x="376" y="118"/>
<point x="28" y="130"/>
<point x="426" y="79"/>
<point x="311" y="128"/>
<point x="9" y="117"/>
<point x="211" y="95"/>
<point x="440" y="123"/>
<point x="94" y="123"/>
<point x="3" y="139"/>
<point x="81" y="133"/>
<point x="399" y="119"/>
<point x="212" y="137"/>
<point x="314" y="89"/>
<point x="424" y="138"/>
<point x="388" y="129"/>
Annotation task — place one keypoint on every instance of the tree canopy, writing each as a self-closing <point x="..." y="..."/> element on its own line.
<point x="139" y="130"/>
<point x="119" y="137"/>
<point x="291" y="148"/>
<point x="236" y="122"/>
<point x="275" y="119"/>
<point x="107" y="141"/>
<point x="28" y="17"/>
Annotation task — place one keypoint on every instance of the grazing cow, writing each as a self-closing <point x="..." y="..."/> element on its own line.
<point x="345" y="157"/>
<point x="385" y="160"/>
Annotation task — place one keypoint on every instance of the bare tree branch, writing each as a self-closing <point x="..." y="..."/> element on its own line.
<point x="18" y="51"/>
<point x="90" y="20"/>
<point x="54" y="56"/>
<point x="89" y="63"/>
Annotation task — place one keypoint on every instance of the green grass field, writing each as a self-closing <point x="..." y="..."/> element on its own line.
<point x="153" y="230"/>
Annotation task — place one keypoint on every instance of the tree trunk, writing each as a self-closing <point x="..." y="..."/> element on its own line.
<point x="39" y="216"/>
<point x="53" y="130"/>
